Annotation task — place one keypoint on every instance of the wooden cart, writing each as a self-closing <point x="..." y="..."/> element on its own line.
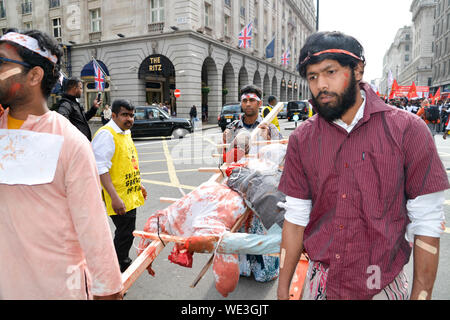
<point x="149" y="254"/>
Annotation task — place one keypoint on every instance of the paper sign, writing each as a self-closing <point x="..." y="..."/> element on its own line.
<point x="27" y="157"/>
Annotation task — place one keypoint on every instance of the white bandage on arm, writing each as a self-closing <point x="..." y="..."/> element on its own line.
<point x="427" y="215"/>
<point x="297" y="211"/>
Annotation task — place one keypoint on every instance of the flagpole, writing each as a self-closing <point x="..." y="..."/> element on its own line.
<point x="98" y="65"/>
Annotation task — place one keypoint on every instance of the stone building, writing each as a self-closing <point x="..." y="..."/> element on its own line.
<point x="441" y="57"/>
<point x="414" y="64"/>
<point x="149" y="48"/>
<point x="397" y="58"/>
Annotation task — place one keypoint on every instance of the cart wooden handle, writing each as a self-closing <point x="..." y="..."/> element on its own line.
<point x="141" y="264"/>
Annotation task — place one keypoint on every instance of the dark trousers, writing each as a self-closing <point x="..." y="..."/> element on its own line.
<point x="123" y="236"/>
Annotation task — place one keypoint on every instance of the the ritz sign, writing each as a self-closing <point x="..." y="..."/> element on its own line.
<point x="155" y="64"/>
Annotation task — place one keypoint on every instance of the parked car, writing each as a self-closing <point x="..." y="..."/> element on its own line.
<point x="300" y="108"/>
<point x="151" y="121"/>
<point x="229" y="113"/>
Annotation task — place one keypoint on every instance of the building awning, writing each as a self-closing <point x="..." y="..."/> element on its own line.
<point x="88" y="69"/>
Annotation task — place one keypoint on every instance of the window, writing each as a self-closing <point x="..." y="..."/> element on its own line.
<point x="28" y="25"/>
<point x="242" y="10"/>
<point x="96" y="20"/>
<point x="407" y="47"/>
<point x="228" y="3"/>
<point x="54" y="3"/>
<point x="157" y="11"/>
<point x="2" y="9"/>
<point x="226" y="26"/>
<point x="208" y="16"/>
<point x="27" y="6"/>
<point x="56" y="23"/>
<point x="406" y="57"/>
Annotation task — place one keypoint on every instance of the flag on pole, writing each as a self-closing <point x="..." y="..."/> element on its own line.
<point x="270" y="49"/>
<point x="412" y="92"/>
<point x="99" y="76"/>
<point x="393" y="90"/>
<point x="245" y="36"/>
<point x="437" y="96"/>
<point x="285" y="58"/>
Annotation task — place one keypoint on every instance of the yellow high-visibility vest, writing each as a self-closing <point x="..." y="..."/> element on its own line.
<point x="124" y="172"/>
<point x="275" y="120"/>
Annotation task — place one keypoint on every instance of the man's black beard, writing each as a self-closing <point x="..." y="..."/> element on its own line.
<point x="344" y="102"/>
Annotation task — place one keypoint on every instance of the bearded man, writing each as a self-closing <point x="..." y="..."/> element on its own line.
<point x="364" y="184"/>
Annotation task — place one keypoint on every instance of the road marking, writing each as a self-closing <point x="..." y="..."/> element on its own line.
<point x="174" y="160"/>
<point x="165" y="172"/>
<point x="447" y="202"/>
<point x="170" y="166"/>
<point x="168" y="184"/>
<point x="447" y="230"/>
<point x="150" y="153"/>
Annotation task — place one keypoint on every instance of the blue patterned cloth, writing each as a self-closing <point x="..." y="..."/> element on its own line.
<point x="263" y="268"/>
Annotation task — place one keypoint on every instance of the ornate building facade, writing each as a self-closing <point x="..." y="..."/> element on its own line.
<point x="149" y="48"/>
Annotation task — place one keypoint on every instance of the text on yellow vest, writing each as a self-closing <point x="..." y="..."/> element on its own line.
<point x="124" y="172"/>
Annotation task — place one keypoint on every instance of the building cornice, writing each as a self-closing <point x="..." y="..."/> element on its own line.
<point x="177" y="34"/>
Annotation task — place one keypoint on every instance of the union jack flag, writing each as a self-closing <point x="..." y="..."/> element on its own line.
<point x="245" y="36"/>
<point x="286" y="57"/>
<point x="99" y="77"/>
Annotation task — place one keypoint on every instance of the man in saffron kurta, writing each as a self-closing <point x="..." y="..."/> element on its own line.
<point x="55" y="241"/>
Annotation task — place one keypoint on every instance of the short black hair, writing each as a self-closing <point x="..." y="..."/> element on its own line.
<point x="119" y="103"/>
<point x="51" y="70"/>
<point x="251" y="89"/>
<point x="71" y="83"/>
<point x="325" y="40"/>
<point x="271" y="98"/>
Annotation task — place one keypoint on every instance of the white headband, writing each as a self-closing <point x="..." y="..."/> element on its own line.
<point x="29" y="43"/>
<point x="250" y="96"/>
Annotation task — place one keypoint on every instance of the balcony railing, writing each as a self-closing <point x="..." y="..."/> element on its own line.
<point x="154" y="27"/>
<point x="27" y="7"/>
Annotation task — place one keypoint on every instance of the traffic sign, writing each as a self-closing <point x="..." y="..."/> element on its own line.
<point x="177" y="93"/>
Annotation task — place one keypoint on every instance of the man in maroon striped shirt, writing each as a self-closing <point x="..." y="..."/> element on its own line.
<point x="363" y="184"/>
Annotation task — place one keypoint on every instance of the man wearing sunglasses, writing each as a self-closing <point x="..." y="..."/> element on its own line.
<point x="55" y="241"/>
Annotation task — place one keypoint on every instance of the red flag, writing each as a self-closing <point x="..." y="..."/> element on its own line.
<point x="378" y="93"/>
<point x="430" y="97"/>
<point x="393" y="90"/>
<point x="437" y="96"/>
<point x="412" y="92"/>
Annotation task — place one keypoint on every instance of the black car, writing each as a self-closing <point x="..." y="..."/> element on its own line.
<point x="299" y="108"/>
<point x="151" y="121"/>
<point x="229" y="113"/>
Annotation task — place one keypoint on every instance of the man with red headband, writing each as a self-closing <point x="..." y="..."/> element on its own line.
<point x="55" y="240"/>
<point x="238" y="132"/>
<point x="364" y="184"/>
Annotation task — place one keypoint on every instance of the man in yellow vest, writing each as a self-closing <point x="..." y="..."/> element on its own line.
<point x="117" y="163"/>
<point x="267" y="109"/>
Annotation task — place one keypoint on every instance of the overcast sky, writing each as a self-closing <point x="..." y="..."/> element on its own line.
<point x="373" y="23"/>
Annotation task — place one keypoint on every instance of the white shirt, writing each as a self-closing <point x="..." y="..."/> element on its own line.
<point x="104" y="147"/>
<point x="425" y="212"/>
